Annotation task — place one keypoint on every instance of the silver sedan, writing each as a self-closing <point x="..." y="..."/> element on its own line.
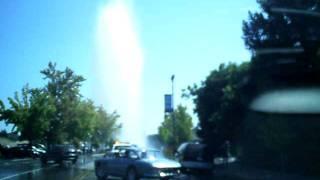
<point x="134" y="163"/>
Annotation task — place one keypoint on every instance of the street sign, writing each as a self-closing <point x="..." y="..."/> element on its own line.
<point x="168" y="103"/>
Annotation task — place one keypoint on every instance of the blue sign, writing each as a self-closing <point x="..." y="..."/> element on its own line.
<point x="168" y="103"/>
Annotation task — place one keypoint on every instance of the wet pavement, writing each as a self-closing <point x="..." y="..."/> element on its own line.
<point x="31" y="169"/>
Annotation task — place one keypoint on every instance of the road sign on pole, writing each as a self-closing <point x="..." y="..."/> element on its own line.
<point x="168" y="107"/>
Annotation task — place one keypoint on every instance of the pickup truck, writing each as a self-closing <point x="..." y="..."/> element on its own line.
<point x="135" y="163"/>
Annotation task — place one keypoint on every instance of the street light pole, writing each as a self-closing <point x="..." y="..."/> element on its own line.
<point x="173" y="116"/>
<point x="172" y="82"/>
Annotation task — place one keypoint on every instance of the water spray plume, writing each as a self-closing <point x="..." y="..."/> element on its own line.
<point x="119" y="67"/>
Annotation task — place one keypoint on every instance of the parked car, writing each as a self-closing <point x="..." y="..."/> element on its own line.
<point x="60" y="153"/>
<point x="20" y="151"/>
<point x="27" y="150"/>
<point x="79" y="151"/>
<point x="41" y="147"/>
<point x="191" y="157"/>
<point x="134" y="163"/>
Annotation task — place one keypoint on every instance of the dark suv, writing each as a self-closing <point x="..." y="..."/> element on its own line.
<point x="60" y="153"/>
<point x="191" y="157"/>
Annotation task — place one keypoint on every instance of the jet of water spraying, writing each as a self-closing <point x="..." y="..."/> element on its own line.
<point x="119" y="67"/>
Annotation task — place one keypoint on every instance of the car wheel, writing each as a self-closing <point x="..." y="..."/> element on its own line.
<point x="59" y="161"/>
<point x="44" y="161"/>
<point x="100" y="175"/>
<point x="101" y="178"/>
<point x="33" y="156"/>
<point x="131" y="174"/>
<point x="74" y="161"/>
<point x="166" y="178"/>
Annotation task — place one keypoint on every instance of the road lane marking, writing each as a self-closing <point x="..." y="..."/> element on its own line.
<point x="27" y="172"/>
<point x="87" y="166"/>
<point x="97" y="155"/>
<point x="25" y="162"/>
<point x="83" y="176"/>
<point x="15" y="163"/>
<point x="18" y="160"/>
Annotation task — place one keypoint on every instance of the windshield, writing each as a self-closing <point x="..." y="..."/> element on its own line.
<point x="121" y="147"/>
<point x="151" y="155"/>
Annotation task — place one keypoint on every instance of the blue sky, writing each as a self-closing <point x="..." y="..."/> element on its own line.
<point x="187" y="38"/>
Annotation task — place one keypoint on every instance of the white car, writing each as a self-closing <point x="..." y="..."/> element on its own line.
<point x="117" y="147"/>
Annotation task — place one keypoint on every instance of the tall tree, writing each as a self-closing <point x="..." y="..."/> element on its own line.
<point x="219" y="105"/>
<point x="283" y="23"/>
<point x="57" y="113"/>
<point x="64" y="87"/>
<point x="176" y="129"/>
<point x="284" y="38"/>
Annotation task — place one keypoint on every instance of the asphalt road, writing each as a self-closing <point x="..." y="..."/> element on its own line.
<point x="32" y="169"/>
<point x="29" y="169"/>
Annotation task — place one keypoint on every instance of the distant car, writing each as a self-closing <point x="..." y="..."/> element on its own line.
<point x="134" y="163"/>
<point x="86" y="150"/>
<point x="60" y="153"/>
<point x="191" y="157"/>
<point x="20" y="151"/>
<point x="40" y="149"/>
<point x="117" y="147"/>
<point x="79" y="151"/>
<point x="33" y="151"/>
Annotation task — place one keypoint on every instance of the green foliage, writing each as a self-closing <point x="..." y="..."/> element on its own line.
<point x="80" y="126"/>
<point x="2" y="109"/>
<point x="273" y="28"/>
<point x="176" y="129"/>
<point x="31" y="113"/>
<point x="219" y="105"/>
<point x="286" y="142"/>
<point x="106" y="127"/>
<point x="57" y="113"/>
<point x="64" y="87"/>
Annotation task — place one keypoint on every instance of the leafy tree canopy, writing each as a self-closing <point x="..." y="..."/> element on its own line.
<point x="219" y="104"/>
<point x="57" y="112"/>
<point x="176" y="129"/>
